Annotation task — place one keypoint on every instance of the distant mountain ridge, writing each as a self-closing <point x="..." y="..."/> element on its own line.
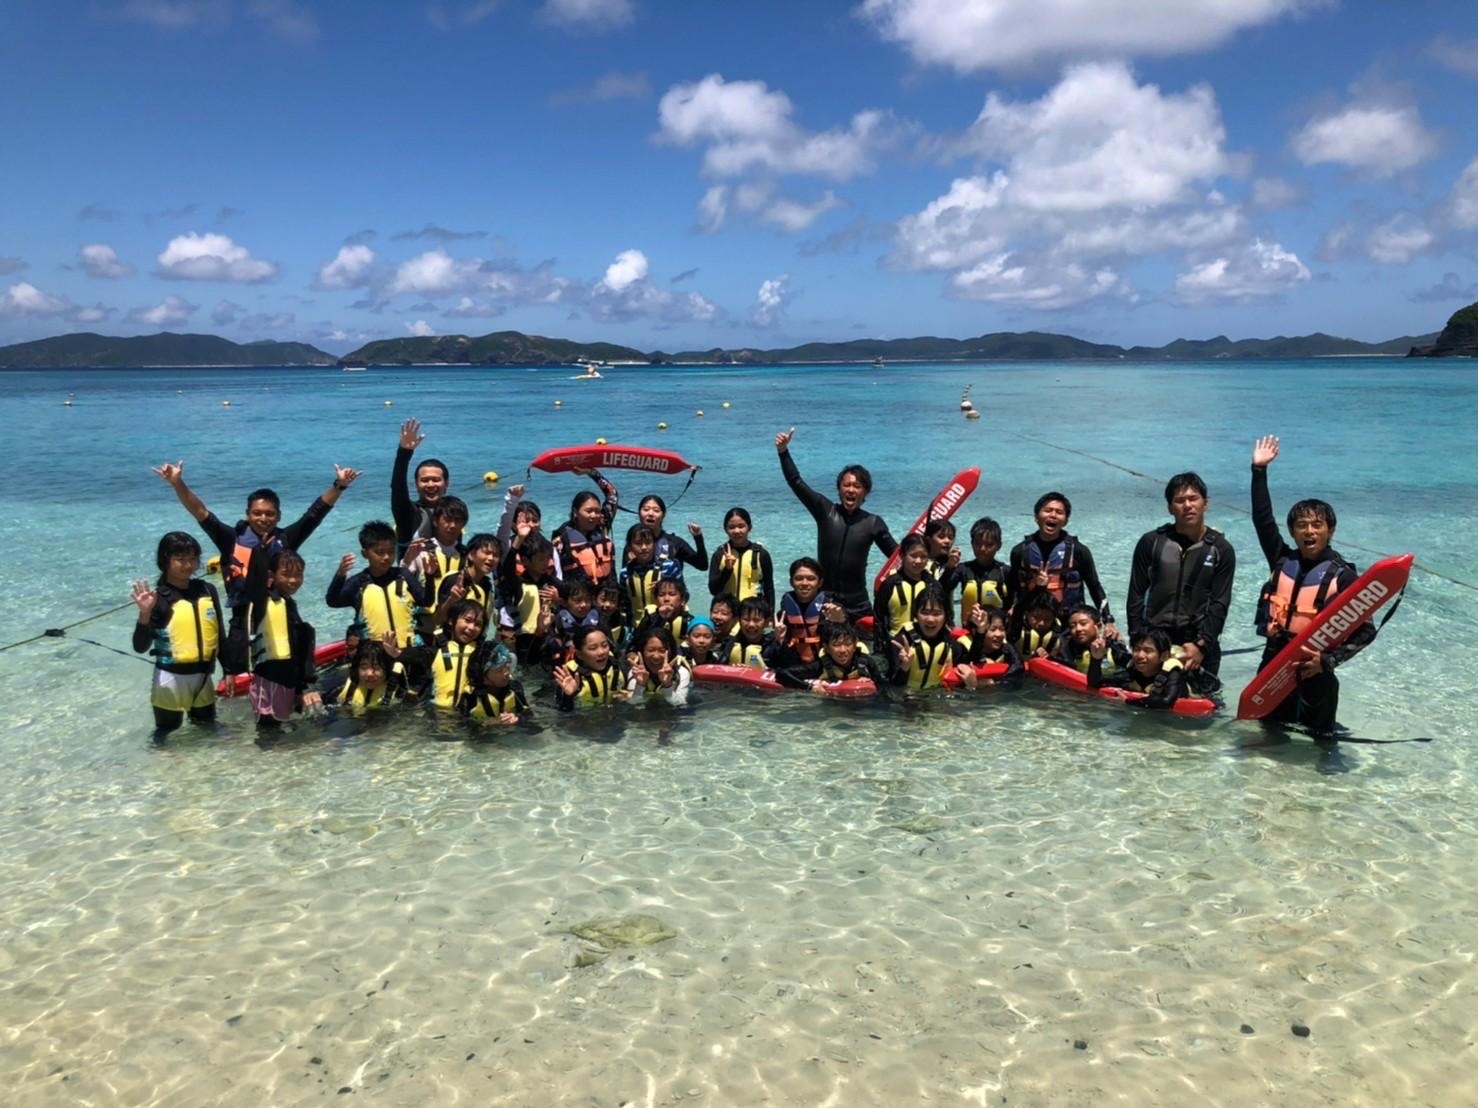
<point x="86" y="350"/>
<point x="1459" y="339"/>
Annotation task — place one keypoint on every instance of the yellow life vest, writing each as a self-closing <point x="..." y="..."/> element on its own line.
<point x="448" y="563"/>
<point x="526" y="617"/>
<point x="595" y="688"/>
<point x="987" y="593"/>
<point x="389" y="607"/>
<point x="364" y="698"/>
<point x="492" y="703"/>
<point x="449" y="676"/>
<point x="1144" y="684"/>
<point x="900" y="598"/>
<point x="273" y="641"/>
<point x="746" y="654"/>
<point x="746" y="577"/>
<point x="1029" y="642"/>
<point x="931" y="661"/>
<point x="192" y="634"/>
<point x="641" y="589"/>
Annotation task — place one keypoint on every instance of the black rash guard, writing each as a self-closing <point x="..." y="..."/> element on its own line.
<point x="1183" y="586"/>
<point x="842" y="540"/>
<point x="412" y="517"/>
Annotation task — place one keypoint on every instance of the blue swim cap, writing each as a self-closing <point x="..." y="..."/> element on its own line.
<point x="702" y="621"/>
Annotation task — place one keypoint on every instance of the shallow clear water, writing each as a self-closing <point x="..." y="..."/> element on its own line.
<point x="872" y="905"/>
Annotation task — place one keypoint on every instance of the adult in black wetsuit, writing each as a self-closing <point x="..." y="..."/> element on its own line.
<point x="1305" y="578"/>
<point x="1054" y="561"/>
<point x="1181" y="578"/>
<point x="844" y="532"/>
<point x="413" y="518"/>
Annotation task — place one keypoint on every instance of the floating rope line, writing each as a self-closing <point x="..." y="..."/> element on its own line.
<point x="1234" y="508"/>
<point x="61" y="632"/>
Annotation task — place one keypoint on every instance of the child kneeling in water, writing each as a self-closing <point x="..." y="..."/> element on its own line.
<point x="591" y="678"/>
<point x="926" y="650"/>
<point x="658" y="673"/>
<point x="840" y="660"/>
<point x="494" y="696"/>
<point x="375" y="679"/>
<point x="1153" y="670"/>
<point x="990" y="645"/>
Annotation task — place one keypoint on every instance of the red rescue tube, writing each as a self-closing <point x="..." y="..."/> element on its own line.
<point x="764" y="679"/>
<point x="949" y="679"/>
<point x="612" y="456"/>
<point x="325" y="655"/>
<point x="1350" y="609"/>
<point x="1066" y="677"/>
<point x="944" y="505"/>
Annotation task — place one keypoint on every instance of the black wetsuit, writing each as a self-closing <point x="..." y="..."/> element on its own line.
<point x="1025" y="576"/>
<point x="675" y="550"/>
<point x="226" y="537"/>
<point x="824" y="669"/>
<point x="412" y="517"/>
<point x="1184" y="587"/>
<point x="1160" y="692"/>
<point x="980" y="656"/>
<point x="1315" y="702"/>
<point x="843" y="539"/>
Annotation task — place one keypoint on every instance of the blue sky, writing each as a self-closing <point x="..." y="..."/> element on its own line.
<point x="697" y="174"/>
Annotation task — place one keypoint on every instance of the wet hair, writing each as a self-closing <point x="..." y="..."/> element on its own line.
<point x="608" y="587"/>
<point x="1155" y="636"/>
<point x="754" y="606"/>
<point x="585" y="630"/>
<point x="634" y="533"/>
<point x="460" y="608"/>
<point x="807" y="563"/>
<point x="484" y="540"/>
<point x="1047" y="498"/>
<point x="375" y="532"/>
<point x="929" y="596"/>
<point x="864" y="478"/>
<point x="580" y="499"/>
<point x="994" y="616"/>
<point x="1084" y="609"/>
<point x="534" y="546"/>
<point x="837" y="632"/>
<point x="529" y="510"/>
<point x="1318" y="509"/>
<point x="653" y="498"/>
<point x="742" y="513"/>
<point x="985" y="528"/>
<point x="1043" y="602"/>
<point x="937" y="527"/>
<point x="1182" y="481"/>
<point x="657" y="631"/>
<point x="911" y="542"/>
<point x="175" y="542"/>
<point x="452" y="508"/>
<point x="572" y="586"/>
<point x="727" y="598"/>
<point x="446" y="474"/>
<point x="287" y="559"/>
<point x="263" y="494"/>
<point x="668" y="584"/>
<point x="370" y="652"/>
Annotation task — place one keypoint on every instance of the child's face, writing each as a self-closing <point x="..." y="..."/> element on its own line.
<point x="701" y="638"/>
<point x="651" y="514"/>
<point x="595" y="651"/>
<point x="723" y="618"/>
<point x="1051" y="518"/>
<point x="370" y="674"/>
<point x="1312" y="535"/>
<point x="608" y="603"/>
<point x="641" y="548"/>
<point x="380" y="556"/>
<point x="483" y="560"/>
<point x="468" y="626"/>
<point x="588" y="515"/>
<point x="940" y="543"/>
<point x="1147" y="660"/>
<point x="806" y="583"/>
<point x="1082" y="627"/>
<point x="654" y="655"/>
<point x="995" y="636"/>
<point x="182" y="567"/>
<point x="841" y="651"/>
<point x="448" y="531"/>
<point x="537" y="566"/>
<point x="578" y="604"/>
<point x="930" y="619"/>
<point x="986" y="548"/>
<point x="286" y="581"/>
<point x="915" y="562"/>
<point x="669" y="602"/>
<point x="1040" y="620"/>
<point x="497" y="677"/>
<point x="753" y="625"/>
<point x="738" y="532"/>
<point x="527" y="515"/>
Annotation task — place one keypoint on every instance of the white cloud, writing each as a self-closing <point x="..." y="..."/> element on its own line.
<point x="1380" y="139"/>
<point x="212" y="257"/>
<point x="770" y="301"/>
<point x="226" y="312"/>
<point x="629" y="267"/>
<point x="589" y="14"/>
<point x="287" y="19"/>
<point x="1462" y="201"/>
<point x="1005" y="279"/>
<point x="446" y="16"/>
<point x="956" y="229"/>
<point x="100" y="260"/>
<point x="747" y="127"/>
<point x="420" y="329"/>
<point x="970" y="35"/>
<point x="1451" y="287"/>
<point x="608" y="87"/>
<point x="625" y="293"/>
<point x="1272" y="193"/>
<point x="433" y="273"/>
<point x="1459" y="55"/>
<point x="95" y="314"/>
<point x="176" y="15"/>
<point x="24" y="298"/>
<point x="1399" y="239"/>
<point x="350" y="268"/>
<point x="794" y="216"/>
<point x="1259" y="269"/>
<point x="467" y="308"/>
<point x="713" y="209"/>
<point x="170" y="312"/>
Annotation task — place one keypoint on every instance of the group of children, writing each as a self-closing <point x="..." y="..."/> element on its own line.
<point x="452" y="620"/>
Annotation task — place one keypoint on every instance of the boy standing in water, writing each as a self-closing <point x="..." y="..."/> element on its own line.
<point x="1305" y="578"/>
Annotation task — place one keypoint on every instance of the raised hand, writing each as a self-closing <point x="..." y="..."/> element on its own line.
<point x="410" y="434"/>
<point x="978" y="617"/>
<point x="145" y="597"/>
<point x="346" y="563"/>
<point x="345" y="476"/>
<point x="391" y="644"/>
<point x="782" y="441"/>
<point x="459" y="590"/>
<point x="568" y="683"/>
<point x="1098" y="648"/>
<point x="1264" y="450"/>
<point x="516" y="491"/>
<point x="171" y="474"/>
<point x="695" y="530"/>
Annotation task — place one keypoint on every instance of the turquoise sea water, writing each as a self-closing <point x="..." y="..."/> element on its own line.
<point x="873" y="905"/>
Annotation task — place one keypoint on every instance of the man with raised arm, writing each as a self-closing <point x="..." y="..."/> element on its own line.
<point x="413" y="518"/>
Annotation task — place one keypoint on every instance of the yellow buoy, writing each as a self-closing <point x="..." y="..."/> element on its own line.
<point x="700" y="413"/>
<point x="213" y="564"/>
<point x="600" y="442"/>
<point x="661" y="426"/>
<point x="490" y="477"/>
<point x="726" y="403"/>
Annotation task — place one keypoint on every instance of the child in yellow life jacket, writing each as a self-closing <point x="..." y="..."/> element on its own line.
<point x="984" y="580"/>
<point x="657" y="673"/>
<point x="283" y="672"/>
<point x="444" y="666"/>
<point x="181" y="624"/>
<point x="944" y="559"/>
<point x="477" y="580"/>
<point x="495" y="696"/>
<point x="1075" y="648"/>
<point x="375" y="680"/>
<point x="926" y="650"/>
<point x="750" y="641"/>
<point x="841" y="659"/>
<point x="671" y="615"/>
<point x="1039" y="630"/>
<point x="530" y="593"/>
<point x="892" y="605"/>
<point x="990" y="644"/>
<point x="442" y="554"/>
<point x="590" y="679"/>
<point x="385" y="598"/>
<point x="610" y="605"/>
<point x="1153" y="670"/>
<point x="741" y="568"/>
<point x="640" y="572"/>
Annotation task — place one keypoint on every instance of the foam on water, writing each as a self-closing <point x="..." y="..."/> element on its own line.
<point x="872" y="904"/>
